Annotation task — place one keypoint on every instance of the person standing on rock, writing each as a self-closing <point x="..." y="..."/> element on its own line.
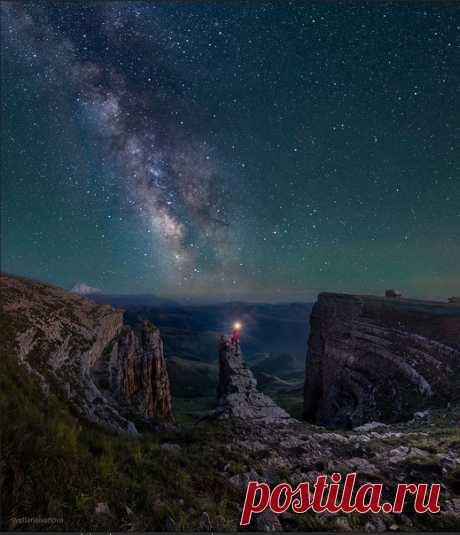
<point x="235" y="339"/>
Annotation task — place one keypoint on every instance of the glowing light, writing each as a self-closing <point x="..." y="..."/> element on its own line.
<point x="237" y="325"/>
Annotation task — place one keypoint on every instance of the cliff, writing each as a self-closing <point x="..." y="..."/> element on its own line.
<point x="140" y="370"/>
<point x="237" y="392"/>
<point x="112" y="375"/>
<point x="380" y="359"/>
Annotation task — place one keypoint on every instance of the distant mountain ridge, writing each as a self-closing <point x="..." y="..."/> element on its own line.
<point x="192" y="332"/>
<point x="131" y="300"/>
<point x="150" y="299"/>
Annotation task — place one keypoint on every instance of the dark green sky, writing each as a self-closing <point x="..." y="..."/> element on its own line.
<point x="265" y="150"/>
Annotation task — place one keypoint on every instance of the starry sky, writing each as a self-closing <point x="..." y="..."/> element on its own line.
<point x="224" y="150"/>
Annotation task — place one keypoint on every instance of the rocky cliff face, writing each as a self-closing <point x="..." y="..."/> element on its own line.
<point x="138" y="371"/>
<point x="237" y="392"/>
<point x="112" y="375"/>
<point x="372" y="358"/>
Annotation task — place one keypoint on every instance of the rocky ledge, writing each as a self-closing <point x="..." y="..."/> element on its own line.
<point x="380" y="359"/>
<point x="422" y="450"/>
<point x="237" y="392"/>
<point x="112" y="375"/>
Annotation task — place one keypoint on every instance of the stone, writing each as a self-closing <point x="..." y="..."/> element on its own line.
<point x="141" y="375"/>
<point x="267" y="521"/>
<point x="240" y="481"/>
<point x="375" y="525"/>
<point x="343" y="524"/>
<point x="238" y="396"/>
<point x="205" y="522"/>
<point x="102" y="508"/>
<point x="454" y="506"/>
<point x="368" y="427"/>
<point x="398" y="454"/>
<point x="170" y="523"/>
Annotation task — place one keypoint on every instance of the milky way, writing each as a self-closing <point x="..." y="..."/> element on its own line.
<point x="169" y="179"/>
<point x="248" y="150"/>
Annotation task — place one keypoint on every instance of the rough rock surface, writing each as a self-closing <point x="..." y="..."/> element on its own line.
<point x="423" y="450"/>
<point x="237" y="392"/>
<point x="112" y="375"/>
<point x="365" y="351"/>
<point x="134" y="369"/>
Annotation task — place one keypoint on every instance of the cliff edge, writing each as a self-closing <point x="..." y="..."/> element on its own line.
<point x="112" y="375"/>
<point x="380" y="359"/>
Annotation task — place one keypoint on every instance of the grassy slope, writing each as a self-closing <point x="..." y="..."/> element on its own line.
<point x="74" y="466"/>
<point x="55" y="465"/>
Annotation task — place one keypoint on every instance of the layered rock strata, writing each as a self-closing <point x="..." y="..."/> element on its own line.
<point x="380" y="359"/>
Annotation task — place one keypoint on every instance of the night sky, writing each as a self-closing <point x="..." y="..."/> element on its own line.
<point x="230" y="150"/>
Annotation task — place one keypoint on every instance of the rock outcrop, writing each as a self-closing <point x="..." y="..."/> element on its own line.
<point x="132" y="370"/>
<point x="237" y="392"/>
<point x="141" y="372"/>
<point x="379" y="359"/>
<point x="113" y="375"/>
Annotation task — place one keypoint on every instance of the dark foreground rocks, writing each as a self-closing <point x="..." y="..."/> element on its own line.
<point x="423" y="450"/>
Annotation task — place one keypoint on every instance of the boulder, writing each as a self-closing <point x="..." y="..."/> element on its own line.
<point x="205" y="522"/>
<point x="267" y="521"/>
